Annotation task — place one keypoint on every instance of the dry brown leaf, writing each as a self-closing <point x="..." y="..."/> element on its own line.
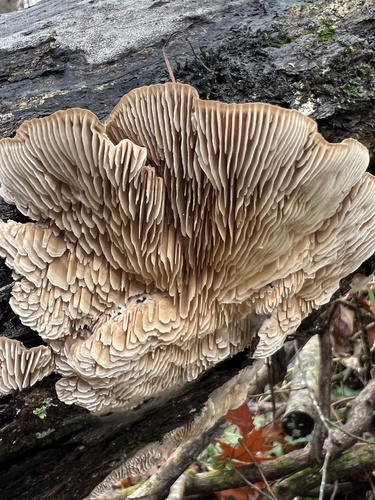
<point x="244" y="493"/>
<point x="251" y="448"/>
<point x="342" y="329"/>
<point x="242" y="417"/>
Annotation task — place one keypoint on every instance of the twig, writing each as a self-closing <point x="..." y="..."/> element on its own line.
<point x="322" y="432"/>
<point x="357" y="461"/>
<point x="178" y="488"/>
<point x="355" y="437"/>
<point x="322" y="428"/>
<point x="335" y="489"/>
<point x="169" y="67"/>
<point x="208" y="482"/>
<point x="265" y="494"/>
<point x="322" y="407"/>
<point x="8" y="286"/>
<point x="251" y="379"/>
<point x="264" y="479"/>
<point x="324" y="472"/>
<point x="177" y="463"/>
<point x="359" y="421"/>
<point x="300" y="414"/>
<point x="293" y="469"/>
<point x="179" y="32"/>
<point x="364" y="337"/>
<point x="272" y="389"/>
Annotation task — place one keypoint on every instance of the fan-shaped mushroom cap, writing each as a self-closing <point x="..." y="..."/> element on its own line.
<point x="162" y="235"/>
<point x="247" y="183"/>
<point x="336" y="249"/>
<point x="21" y="367"/>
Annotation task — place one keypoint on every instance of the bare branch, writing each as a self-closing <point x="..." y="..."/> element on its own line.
<point x="299" y="418"/>
<point x="178" y="462"/>
<point x="359" y="460"/>
<point x="359" y="421"/>
<point x="178" y="488"/>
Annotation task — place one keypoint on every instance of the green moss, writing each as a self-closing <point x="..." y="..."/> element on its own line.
<point x="285" y="462"/>
<point x="284" y="41"/>
<point x="300" y="477"/>
<point x="345" y="460"/>
<point x="41" y="411"/>
<point x="328" y="32"/>
<point x="350" y="76"/>
<point x="325" y="32"/>
<point x="219" y="479"/>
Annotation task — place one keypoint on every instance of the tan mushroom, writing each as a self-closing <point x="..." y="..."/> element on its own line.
<point x="21" y="367"/>
<point x="162" y="235"/>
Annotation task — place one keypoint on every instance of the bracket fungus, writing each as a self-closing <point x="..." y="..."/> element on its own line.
<point x="160" y="235"/>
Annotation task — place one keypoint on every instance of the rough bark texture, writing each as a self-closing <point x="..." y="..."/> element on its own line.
<point x="303" y="482"/>
<point x="317" y="57"/>
<point x="295" y="477"/>
<point x="300" y="414"/>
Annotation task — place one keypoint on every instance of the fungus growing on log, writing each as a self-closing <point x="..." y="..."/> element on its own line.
<point x="20" y="367"/>
<point x="161" y="234"/>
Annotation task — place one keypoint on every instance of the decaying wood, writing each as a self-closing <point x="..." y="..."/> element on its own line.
<point x="322" y="430"/>
<point x="253" y="380"/>
<point x="301" y="461"/>
<point x="357" y="461"/>
<point x="300" y="414"/>
<point x="294" y="467"/>
<point x="208" y="482"/>
<point x="88" y="54"/>
<point x="359" y="421"/>
<point x="160" y="483"/>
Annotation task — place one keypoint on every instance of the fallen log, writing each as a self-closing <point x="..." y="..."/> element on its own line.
<point x="59" y="55"/>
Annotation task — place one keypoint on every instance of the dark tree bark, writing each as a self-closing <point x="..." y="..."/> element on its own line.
<point x="315" y="57"/>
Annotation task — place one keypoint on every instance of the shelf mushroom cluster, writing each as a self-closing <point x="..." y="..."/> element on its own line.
<point x="160" y="235"/>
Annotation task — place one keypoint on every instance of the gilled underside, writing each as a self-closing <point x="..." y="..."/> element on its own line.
<point x="161" y="233"/>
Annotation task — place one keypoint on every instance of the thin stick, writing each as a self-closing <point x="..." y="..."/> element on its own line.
<point x="177" y="463"/>
<point x="323" y="482"/>
<point x="258" y="490"/>
<point x="168" y="64"/>
<point x="272" y="389"/>
<point x="172" y="35"/>
<point x="177" y="489"/>
<point x="271" y="495"/>
<point x="8" y="286"/>
<point x="335" y="489"/>
<point x="364" y="337"/>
